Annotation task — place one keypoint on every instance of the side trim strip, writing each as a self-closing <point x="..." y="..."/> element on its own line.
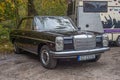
<point x="33" y="38"/>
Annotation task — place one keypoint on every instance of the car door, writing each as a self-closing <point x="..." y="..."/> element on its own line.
<point x="21" y="32"/>
<point x="32" y="39"/>
<point x="25" y="30"/>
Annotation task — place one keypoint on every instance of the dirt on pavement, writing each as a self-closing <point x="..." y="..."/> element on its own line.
<point x="27" y="67"/>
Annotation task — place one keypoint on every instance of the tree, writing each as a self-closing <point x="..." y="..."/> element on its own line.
<point x="31" y="8"/>
<point x="6" y="9"/>
<point x="9" y="10"/>
<point x="51" y="7"/>
<point x="17" y="17"/>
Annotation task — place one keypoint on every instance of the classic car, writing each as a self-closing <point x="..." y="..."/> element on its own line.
<point x="56" y="37"/>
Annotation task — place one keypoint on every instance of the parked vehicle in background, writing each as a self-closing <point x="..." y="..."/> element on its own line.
<point x="111" y="21"/>
<point x="55" y="37"/>
<point x="86" y="14"/>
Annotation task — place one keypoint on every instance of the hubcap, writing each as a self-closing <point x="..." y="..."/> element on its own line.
<point x="45" y="57"/>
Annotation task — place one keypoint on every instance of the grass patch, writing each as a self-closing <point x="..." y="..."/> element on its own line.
<point x="6" y="47"/>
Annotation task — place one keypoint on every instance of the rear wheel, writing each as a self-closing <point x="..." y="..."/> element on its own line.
<point x="17" y="50"/>
<point x="118" y="41"/>
<point x="46" y="58"/>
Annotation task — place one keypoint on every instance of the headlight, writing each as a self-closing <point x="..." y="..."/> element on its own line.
<point x="105" y="40"/>
<point x="59" y="43"/>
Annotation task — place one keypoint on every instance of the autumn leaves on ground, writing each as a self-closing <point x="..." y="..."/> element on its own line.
<point x="11" y="11"/>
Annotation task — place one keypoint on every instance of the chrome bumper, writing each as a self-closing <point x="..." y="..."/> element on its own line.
<point x="73" y="54"/>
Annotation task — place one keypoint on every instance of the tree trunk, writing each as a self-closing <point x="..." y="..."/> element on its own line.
<point x="31" y="8"/>
<point x="17" y="19"/>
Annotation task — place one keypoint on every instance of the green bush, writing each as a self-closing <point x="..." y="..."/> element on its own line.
<point x="4" y="34"/>
<point x="5" y="44"/>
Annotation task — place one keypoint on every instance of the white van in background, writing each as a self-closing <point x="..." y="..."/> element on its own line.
<point x="86" y="14"/>
<point x="111" y="21"/>
<point x="96" y="16"/>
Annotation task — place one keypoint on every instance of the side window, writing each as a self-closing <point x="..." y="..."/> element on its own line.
<point x="38" y="24"/>
<point x="26" y="24"/>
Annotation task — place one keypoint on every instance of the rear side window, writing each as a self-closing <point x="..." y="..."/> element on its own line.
<point x="26" y="24"/>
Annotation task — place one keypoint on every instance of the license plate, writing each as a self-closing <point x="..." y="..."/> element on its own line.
<point x="86" y="57"/>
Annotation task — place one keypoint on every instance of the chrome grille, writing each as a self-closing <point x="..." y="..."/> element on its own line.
<point x="84" y="42"/>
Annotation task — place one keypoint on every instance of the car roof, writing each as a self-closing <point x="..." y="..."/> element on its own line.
<point x="50" y="16"/>
<point x="27" y="17"/>
<point x="30" y="17"/>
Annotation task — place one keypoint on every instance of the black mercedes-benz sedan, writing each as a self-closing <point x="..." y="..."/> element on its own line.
<point x="56" y="37"/>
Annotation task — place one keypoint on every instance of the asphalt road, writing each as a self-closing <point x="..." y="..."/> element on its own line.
<point x="27" y="67"/>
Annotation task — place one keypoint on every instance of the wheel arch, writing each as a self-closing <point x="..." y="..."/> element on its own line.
<point x="13" y="40"/>
<point x="40" y="46"/>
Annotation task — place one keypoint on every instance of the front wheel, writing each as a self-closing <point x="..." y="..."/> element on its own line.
<point x="118" y="41"/>
<point x="46" y="58"/>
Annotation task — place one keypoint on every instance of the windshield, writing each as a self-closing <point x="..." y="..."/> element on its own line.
<point x="54" y="24"/>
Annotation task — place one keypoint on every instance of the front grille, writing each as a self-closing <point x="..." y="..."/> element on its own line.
<point x="68" y="44"/>
<point x="84" y="42"/>
<point x="99" y="42"/>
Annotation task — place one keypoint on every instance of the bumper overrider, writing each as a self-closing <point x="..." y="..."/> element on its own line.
<point x="74" y="54"/>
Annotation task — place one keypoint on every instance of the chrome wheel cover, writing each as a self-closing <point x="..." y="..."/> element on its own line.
<point x="45" y="57"/>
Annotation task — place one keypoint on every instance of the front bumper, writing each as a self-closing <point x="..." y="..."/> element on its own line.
<point x="74" y="54"/>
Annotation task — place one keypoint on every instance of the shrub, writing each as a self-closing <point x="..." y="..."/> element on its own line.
<point x="4" y="34"/>
<point x="5" y="44"/>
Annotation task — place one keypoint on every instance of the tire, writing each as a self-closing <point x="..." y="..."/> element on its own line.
<point x="17" y="50"/>
<point x="118" y="41"/>
<point x="97" y="57"/>
<point x="46" y="58"/>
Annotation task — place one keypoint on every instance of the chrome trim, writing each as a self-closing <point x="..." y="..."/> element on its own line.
<point x="83" y="36"/>
<point x="98" y="50"/>
<point x="33" y="38"/>
<point x="84" y="41"/>
<point x="99" y="36"/>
